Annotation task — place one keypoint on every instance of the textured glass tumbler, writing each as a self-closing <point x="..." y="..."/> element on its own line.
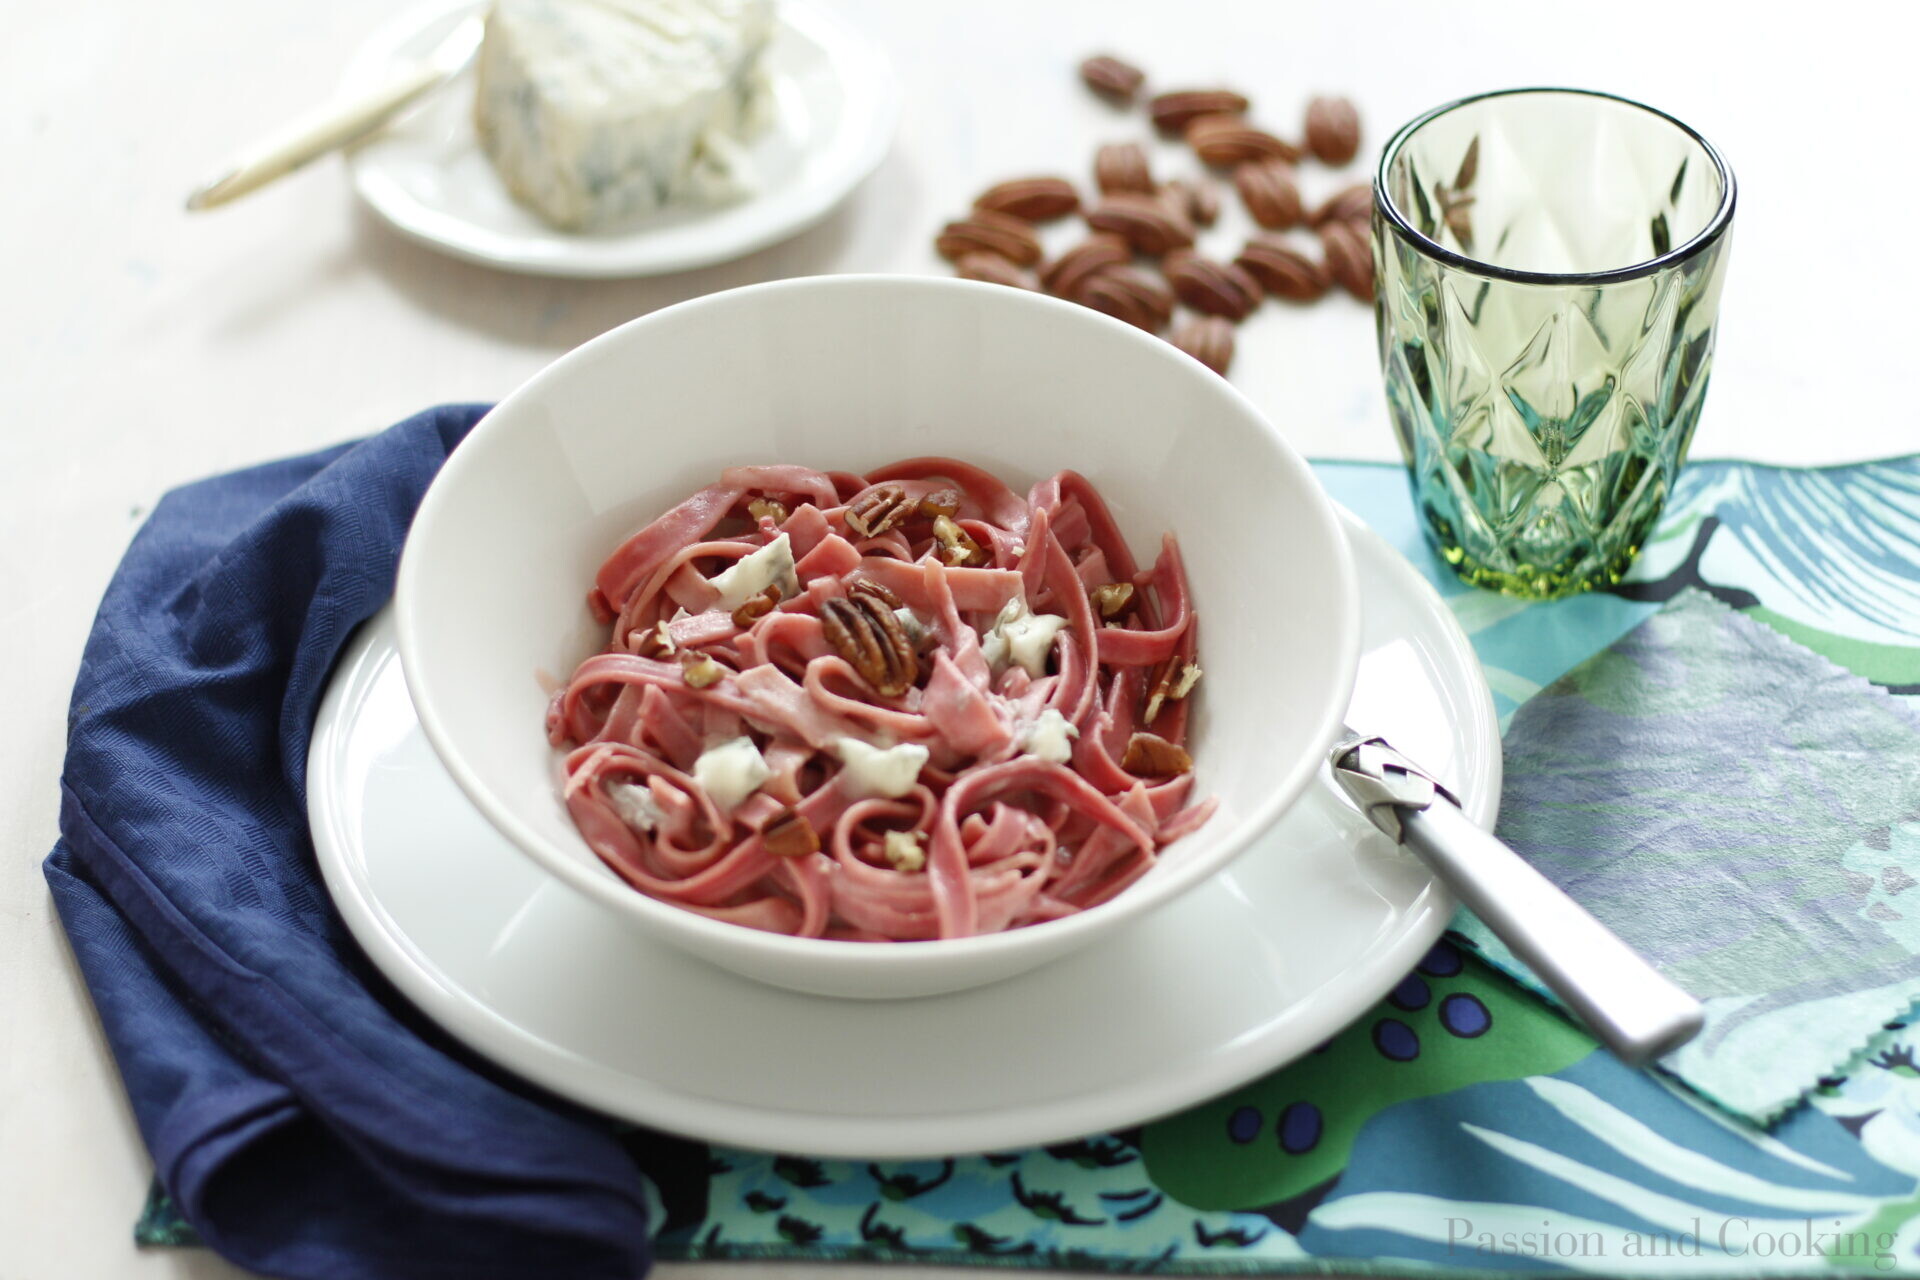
<point x="1549" y="266"/>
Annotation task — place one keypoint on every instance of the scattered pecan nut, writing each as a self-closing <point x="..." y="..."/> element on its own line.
<point x="863" y="630"/>
<point x="768" y="509"/>
<point x="879" y="509"/>
<point x="1198" y="199"/>
<point x="1030" y="199"/>
<point x="1122" y="166"/>
<point x="1149" y="755"/>
<point x="1111" y="78"/>
<point x="1170" y="681"/>
<point x="1112" y="599"/>
<point x="940" y="502"/>
<point x="993" y="269"/>
<point x="757" y="607"/>
<point x="656" y="642"/>
<point x="1214" y="288"/>
<point x="1349" y="256"/>
<point x="868" y="587"/>
<point x="1228" y="140"/>
<point x="1349" y="204"/>
<point x="1268" y="190"/>
<point x="1173" y="112"/>
<point x="1208" y="339"/>
<point x="1469" y="166"/>
<point x="1333" y="129"/>
<point x="1282" y="270"/>
<point x="1130" y="294"/>
<point x="1142" y="221"/>
<point x="1063" y="275"/>
<point x="985" y="231"/>
<point x="699" y="670"/>
<point x="788" y="834"/>
<point x="957" y="546"/>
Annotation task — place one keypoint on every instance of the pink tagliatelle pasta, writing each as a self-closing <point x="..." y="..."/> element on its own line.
<point x="895" y="707"/>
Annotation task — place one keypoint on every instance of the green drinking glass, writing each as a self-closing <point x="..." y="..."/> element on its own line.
<point x="1549" y="265"/>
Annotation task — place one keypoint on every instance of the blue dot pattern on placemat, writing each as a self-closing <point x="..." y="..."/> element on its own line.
<point x="1396" y="1040"/>
<point x="1464" y="1016"/>
<point x="1441" y="962"/>
<point x="1412" y="993"/>
<point x="1299" y="1128"/>
<point x="1244" y="1124"/>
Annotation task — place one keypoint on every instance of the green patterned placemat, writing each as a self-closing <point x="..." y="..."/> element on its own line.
<point x="1459" y="1125"/>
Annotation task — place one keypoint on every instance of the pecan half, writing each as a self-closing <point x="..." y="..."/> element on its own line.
<point x="1227" y="140"/>
<point x="940" y="502"/>
<point x="1284" y="271"/>
<point x="656" y="642"/>
<point x="988" y="232"/>
<point x="863" y="630"/>
<point x="757" y="607"/>
<point x="1349" y="257"/>
<point x="957" y="546"/>
<point x="1469" y="166"/>
<point x="1142" y="221"/>
<point x="788" y="834"/>
<point x="1112" y="599"/>
<point x="993" y="269"/>
<point x="879" y="509"/>
<point x="1198" y="199"/>
<point x="1173" y="112"/>
<point x="1456" y="210"/>
<point x="1034" y="199"/>
<point x="768" y="509"/>
<point x="1122" y="166"/>
<point x="1268" y="190"/>
<point x="1171" y="681"/>
<point x="699" y="670"/>
<point x="1348" y="204"/>
<point x="1111" y="78"/>
<point x="1215" y="288"/>
<point x="1208" y="339"/>
<point x="868" y="587"/>
<point x="1333" y="129"/>
<point x="1149" y="755"/>
<point x="1130" y="294"/>
<point x="1102" y="249"/>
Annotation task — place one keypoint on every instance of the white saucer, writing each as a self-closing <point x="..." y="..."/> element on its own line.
<point x="1301" y="935"/>
<point x="836" y="104"/>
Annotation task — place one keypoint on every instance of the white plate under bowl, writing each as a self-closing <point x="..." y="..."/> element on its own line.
<point x="1249" y="971"/>
<point x="836" y="103"/>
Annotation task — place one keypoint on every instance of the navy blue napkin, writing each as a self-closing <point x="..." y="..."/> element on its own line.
<point x="299" y="1113"/>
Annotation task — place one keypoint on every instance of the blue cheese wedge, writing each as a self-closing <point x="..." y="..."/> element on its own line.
<point x="597" y="111"/>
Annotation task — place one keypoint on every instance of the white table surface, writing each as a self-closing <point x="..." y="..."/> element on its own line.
<point x="144" y="347"/>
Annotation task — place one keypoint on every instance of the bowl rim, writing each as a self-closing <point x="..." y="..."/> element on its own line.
<point x="1048" y="936"/>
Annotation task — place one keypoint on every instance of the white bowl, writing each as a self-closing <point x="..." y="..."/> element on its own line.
<point x="848" y="372"/>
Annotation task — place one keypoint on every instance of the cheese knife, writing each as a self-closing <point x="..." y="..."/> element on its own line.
<point x="1630" y="1006"/>
<point x="341" y="123"/>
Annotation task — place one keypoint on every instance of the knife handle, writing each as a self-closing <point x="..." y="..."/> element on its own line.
<point x="326" y="128"/>
<point x="1634" y="1009"/>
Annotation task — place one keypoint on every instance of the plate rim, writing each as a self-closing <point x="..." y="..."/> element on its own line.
<point x="875" y="92"/>
<point x="469" y="1019"/>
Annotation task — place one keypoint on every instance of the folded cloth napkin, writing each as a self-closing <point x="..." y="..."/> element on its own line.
<point x="298" y="1113"/>
<point x="1745" y="813"/>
